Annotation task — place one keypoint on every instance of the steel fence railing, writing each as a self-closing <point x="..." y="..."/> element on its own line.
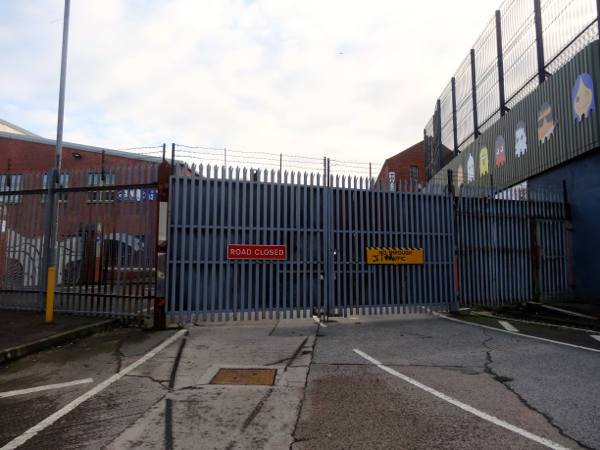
<point x="526" y="42"/>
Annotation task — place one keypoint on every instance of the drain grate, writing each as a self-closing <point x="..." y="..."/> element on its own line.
<point x="255" y="377"/>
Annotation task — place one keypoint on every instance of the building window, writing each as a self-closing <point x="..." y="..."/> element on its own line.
<point x="64" y="183"/>
<point x="414" y="173"/>
<point x="95" y="179"/>
<point x="10" y="183"/>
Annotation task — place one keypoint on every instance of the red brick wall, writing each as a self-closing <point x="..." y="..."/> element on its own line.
<point x="400" y="164"/>
<point x="37" y="157"/>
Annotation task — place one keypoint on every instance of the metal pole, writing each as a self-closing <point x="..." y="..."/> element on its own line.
<point x="474" y="92"/>
<point x="503" y="108"/>
<point x="172" y="159"/>
<point x="539" y="41"/>
<point x="164" y="151"/>
<point x="281" y="159"/>
<point x="437" y="128"/>
<point x="225" y="157"/>
<point x="324" y="171"/>
<point x="370" y="177"/>
<point x="328" y="172"/>
<point x="454" y="119"/>
<point x="63" y="82"/>
<point x="53" y="177"/>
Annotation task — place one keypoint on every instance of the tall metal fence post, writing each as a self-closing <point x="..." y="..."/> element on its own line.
<point x="49" y="235"/>
<point x="474" y="94"/>
<point x="161" y="242"/>
<point x="454" y="119"/>
<point x="539" y="38"/>
<point x="438" y="137"/>
<point x="503" y="108"/>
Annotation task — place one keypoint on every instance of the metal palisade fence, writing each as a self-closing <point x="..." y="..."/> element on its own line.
<point x="103" y="243"/>
<point x="510" y="250"/>
<point x="326" y="227"/>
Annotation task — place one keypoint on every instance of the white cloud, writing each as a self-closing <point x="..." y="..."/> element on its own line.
<point x="265" y="75"/>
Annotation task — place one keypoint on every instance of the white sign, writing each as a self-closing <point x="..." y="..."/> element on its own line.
<point x="392" y="178"/>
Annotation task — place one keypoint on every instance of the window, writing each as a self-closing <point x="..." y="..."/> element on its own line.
<point x="414" y="173"/>
<point x="95" y="179"/>
<point x="10" y="183"/>
<point x="64" y="183"/>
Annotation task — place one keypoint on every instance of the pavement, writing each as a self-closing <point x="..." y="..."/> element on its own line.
<point x="414" y="381"/>
<point x="26" y="332"/>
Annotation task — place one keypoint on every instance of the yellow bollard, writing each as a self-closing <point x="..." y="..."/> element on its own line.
<point x="50" y="295"/>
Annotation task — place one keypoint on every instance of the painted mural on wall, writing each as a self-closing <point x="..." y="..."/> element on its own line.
<point x="500" y="154"/>
<point x="583" y="97"/>
<point x="520" y="139"/>
<point x="483" y="161"/>
<point x="459" y="177"/>
<point x="546" y="122"/>
<point x="470" y="169"/>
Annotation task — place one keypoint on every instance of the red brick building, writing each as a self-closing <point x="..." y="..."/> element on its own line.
<point x="113" y="223"/>
<point x="408" y="165"/>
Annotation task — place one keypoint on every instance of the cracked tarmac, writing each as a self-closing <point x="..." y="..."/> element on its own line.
<point x="325" y="396"/>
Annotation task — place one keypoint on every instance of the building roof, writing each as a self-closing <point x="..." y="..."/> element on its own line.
<point x="86" y="148"/>
<point x="19" y="129"/>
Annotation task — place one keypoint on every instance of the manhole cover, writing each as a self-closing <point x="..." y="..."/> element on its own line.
<point x="263" y="377"/>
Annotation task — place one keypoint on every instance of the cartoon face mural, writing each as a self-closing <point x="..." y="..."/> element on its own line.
<point x="483" y="161"/>
<point x="546" y="122"/>
<point x="500" y="155"/>
<point x="459" y="176"/>
<point x="470" y="169"/>
<point x="583" y="97"/>
<point x="520" y="139"/>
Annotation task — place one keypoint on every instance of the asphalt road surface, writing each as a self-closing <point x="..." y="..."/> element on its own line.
<point x="392" y="382"/>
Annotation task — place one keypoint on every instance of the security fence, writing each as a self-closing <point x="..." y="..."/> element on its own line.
<point x="526" y="42"/>
<point x="96" y="227"/>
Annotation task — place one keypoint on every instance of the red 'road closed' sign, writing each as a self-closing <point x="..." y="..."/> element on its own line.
<point x="256" y="252"/>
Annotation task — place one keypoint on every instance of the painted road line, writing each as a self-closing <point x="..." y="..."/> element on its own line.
<point x="512" y="332"/>
<point x="596" y="336"/>
<point x="508" y="326"/>
<point x="44" y="388"/>
<point x="319" y="321"/>
<point x="17" y="442"/>
<point x="465" y="407"/>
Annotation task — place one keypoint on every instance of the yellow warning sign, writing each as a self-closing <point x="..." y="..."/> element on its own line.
<point x="388" y="255"/>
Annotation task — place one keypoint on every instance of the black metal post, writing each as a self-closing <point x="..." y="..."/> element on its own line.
<point x="438" y="138"/>
<point x="450" y="181"/>
<point x="454" y="120"/>
<point x="164" y="151"/>
<point x="172" y="159"/>
<point x="539" y="40"/>
<point x="503" y="108"/>
<point x="474" y="93"/>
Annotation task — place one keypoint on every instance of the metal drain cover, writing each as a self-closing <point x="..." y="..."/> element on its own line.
<point x="255" y="377"/>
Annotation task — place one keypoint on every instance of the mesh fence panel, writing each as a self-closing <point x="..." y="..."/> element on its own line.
<point x="567" y="27"/>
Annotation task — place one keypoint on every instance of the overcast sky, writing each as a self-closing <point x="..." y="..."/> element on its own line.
<point x="348" y="80"/>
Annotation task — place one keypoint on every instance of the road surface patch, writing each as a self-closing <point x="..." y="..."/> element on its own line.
<point x="546" y="442"/>
<point x="20" y="440"/>
<point x="44" y="388"/>
<point x="245" y="377"/>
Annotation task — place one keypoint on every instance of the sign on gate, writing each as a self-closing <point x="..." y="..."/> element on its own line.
<point x="256" y="252"/>
<point x="387" y="255"/>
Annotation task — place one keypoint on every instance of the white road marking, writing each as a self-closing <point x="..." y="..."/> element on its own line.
<point x="316" y="320"/>
<point x="470" y="409"/>
<point x="596" y="336"/>
<point x="508" y="326"/>
<point x="512" y="332"/>
<point x="17" y="442"/>
<point x="44" y="388"/>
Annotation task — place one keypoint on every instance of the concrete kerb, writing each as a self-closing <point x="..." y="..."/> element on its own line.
<point x="11" y="354"/>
